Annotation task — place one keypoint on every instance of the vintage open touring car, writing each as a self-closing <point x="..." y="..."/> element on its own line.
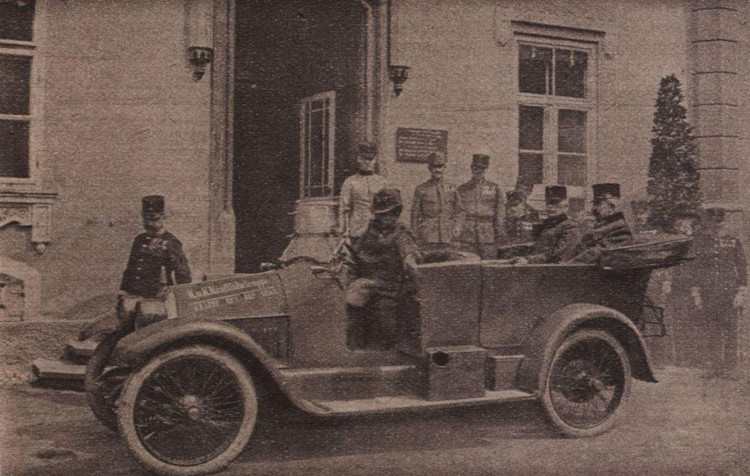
<point x="182" y="388"/>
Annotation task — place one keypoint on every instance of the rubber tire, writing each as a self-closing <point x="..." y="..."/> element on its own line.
<point x="102" y="410"/>
<point x="565" y="428"/>
<point x="126" y="408"/>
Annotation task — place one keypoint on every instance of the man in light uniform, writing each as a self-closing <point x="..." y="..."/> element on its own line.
<point x="434" y="209"/>
<point x="481" y="207"/>
<point x="357" y="192"/>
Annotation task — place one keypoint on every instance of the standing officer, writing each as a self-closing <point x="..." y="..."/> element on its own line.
<point x="357" y="193"/>
<point x="520" y="218"/>
<point x="481" y="207"/>
<point x="381" y="276"/>
<point x="557" y="236"/>
<point x="722" y="291"/>
<point x="156" y="257"/>
<point x="434" y="209"/>
<point x="683" y="306"/>
<point x="610" y="228"/>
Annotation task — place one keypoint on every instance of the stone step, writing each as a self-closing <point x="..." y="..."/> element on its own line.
<point x="47" y="369"/>
<point x="80" y="352"/>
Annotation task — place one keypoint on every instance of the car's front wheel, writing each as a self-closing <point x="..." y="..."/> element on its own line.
<point x="588" y="381"/>
<point x="188" y="411"/>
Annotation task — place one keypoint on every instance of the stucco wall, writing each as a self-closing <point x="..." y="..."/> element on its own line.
<point x="122" y="118"/>
<point x="462" y="80"/>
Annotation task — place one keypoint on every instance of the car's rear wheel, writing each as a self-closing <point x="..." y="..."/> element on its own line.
<point x="587" y="382"/>
<point x="188" y="411"/>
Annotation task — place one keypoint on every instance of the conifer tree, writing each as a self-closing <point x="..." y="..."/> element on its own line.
<point x="672" y="170"/>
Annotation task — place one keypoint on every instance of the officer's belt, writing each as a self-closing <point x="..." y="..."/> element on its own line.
<point x="480" y="217"/>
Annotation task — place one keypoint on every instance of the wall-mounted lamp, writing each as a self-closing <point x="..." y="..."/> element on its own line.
<point x="199" y="29"/>
<point x="398" y="74"/>
<point x="200" y="57"/>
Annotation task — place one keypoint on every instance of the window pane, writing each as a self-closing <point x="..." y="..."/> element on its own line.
<point x="534" y="69"/>
<point x="571" y="133"/>
<point x="570" y="73"/>
<point x="530" y="128"/>
<point x="15" y="72"/>
<point x="530" y="169"/>
<point x="316" y="151"/>
<point x="571" y="170"/>
<point x="14" y="149"/>
<point x="16" y="19"/>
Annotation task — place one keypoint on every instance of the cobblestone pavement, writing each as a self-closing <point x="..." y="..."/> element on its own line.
<point x="682" y="425"/>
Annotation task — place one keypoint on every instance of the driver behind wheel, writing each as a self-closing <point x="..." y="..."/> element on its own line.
<point x="381" y="275"/>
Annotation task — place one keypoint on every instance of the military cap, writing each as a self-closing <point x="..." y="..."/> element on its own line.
<point x="436" y="159"/>
<point x="480" y="160"/>
<point x="386" y="200"/>
<point x="152" y="205"/>
<point x="715" y="214"/>
<point x="555" y="193"/>
<point x="514" y="197"/>
<point x="367" y="149"/>
<point x="603" y="191"/>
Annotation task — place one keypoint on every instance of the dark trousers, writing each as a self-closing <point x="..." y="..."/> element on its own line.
<point x="374" y="326"/>
<point x="721" y="330"/>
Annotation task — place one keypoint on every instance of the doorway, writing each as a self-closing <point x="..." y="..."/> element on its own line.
<point x="287" y="52"/>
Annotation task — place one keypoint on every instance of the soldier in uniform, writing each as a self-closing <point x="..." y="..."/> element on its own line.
<point x="610" y="227"/>
<point x="557" y="237"/>
<point x="683" y="307"/>
<point x="434" y="209"/>
<point x="520" y="218"/>
<point x="381" y="276"/>
<point x="481" y="208"/>
<point x="156" y="257"/>
<point x="357" y="192"/>
<point x="722" y="288"/>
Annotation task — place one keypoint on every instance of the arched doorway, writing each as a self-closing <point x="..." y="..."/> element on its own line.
<point x="288" y="53"/>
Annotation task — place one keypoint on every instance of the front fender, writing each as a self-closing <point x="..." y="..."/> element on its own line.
<point x="540" y="346"/>
<point x="135" y="349"/>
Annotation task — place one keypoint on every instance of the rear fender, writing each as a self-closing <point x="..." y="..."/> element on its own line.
<point x="135" y="349"/>
<point x="540" y="346"/>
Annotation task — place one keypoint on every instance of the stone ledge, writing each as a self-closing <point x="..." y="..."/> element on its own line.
<point x="22" y="342"/>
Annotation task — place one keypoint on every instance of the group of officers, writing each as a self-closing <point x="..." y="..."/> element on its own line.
<point x="477" y="218"/>
<point x="474" y="217"/>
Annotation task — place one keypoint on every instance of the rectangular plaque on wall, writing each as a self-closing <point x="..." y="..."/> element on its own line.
<point x="414" y="145"/>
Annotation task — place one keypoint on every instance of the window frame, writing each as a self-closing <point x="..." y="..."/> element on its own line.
<point x="30" y="49"/>
<point x="552" y="104"/>
<point x="305" y="186"/>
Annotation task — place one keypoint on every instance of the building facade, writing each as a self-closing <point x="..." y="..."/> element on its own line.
<point x="103" y="102"/>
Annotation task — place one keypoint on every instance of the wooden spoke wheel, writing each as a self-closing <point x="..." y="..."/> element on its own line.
<point x="587" y="383"/>
<point x="188" y="411"/>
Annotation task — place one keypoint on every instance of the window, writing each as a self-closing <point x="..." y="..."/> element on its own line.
<point x="555" y="103"/>
<point x="317" y="125"/>
<point x="17" y="50"/>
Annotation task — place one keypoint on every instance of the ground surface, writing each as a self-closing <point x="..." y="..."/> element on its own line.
<point x="682" y="425"/>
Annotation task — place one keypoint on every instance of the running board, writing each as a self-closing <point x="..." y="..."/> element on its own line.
<point x="408" y="402"/>
<point x="44" y="369"/>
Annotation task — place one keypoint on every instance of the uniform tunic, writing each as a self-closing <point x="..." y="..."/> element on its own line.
<point x="609" y="232"/>
<point x="143" y="274"/>
<point x="520" y="229"/>
<point x="380" y="284"/>
<point x="723" y="270"/>
<point x="433" y="214"/>
<point x="356" y="200"/>
<point x="481" y="208"/>
<point x="557" y="239"/>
